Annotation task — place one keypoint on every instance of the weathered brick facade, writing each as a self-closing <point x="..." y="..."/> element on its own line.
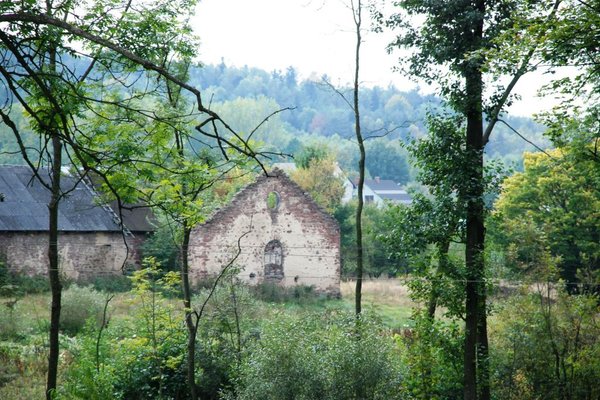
<point x="90" y="240"/>
<point x="293" y="242"/>
<point x="82" y="255"/>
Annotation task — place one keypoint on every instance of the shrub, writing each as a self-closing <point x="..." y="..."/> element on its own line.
<point x="23" y="284"/>
<point x="78" y="305"/>
<point x="112" y="284"/>
<point x="138" y="358"/>
<point x="330" y="357"/>
<point x="224" y="331"/>
<point x="274" y="293"/>
<point x="432" y="353"/>
<point x="13" y="325"/>
<point x="547" y="346"/>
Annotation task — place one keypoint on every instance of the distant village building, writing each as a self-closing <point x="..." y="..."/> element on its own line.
<point x="380" y="191"/>
<point x="91" y="241"/>
<point x="377" y="191"/>
<point x="284" y="238"/>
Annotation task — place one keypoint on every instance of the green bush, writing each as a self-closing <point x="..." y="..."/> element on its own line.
<point x="161" y="246"/>
<point x="78" y="305"/>
<point x="138" y="358"/>
<point x="432" y="353"/>
<point x="321" y="357"/>
<point x="547" y="346"/>
<point x="221" y="344"/>
<point x="274" y="293"/>
<point x="24" y="284"/>
<point x="12" y="323"/>
<point x="112" y="284"/>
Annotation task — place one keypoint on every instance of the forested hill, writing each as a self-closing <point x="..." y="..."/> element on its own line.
<point x="321" y="111"/>
<point x="244" y="96"/>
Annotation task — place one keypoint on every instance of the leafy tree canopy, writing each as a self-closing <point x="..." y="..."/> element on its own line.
<point x="553" y="204"/>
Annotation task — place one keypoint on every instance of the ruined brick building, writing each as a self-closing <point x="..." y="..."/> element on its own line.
<point x="91" y="240"/>
<point x="284" y="238"/>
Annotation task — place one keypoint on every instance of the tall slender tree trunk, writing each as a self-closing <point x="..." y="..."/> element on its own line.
<point x="53" y="272"/>
<point x="476" y="383"/>
<point x="189" y="315"/>
<point x="475" y="303"/>
<point x="476" y="327"/>
<point x="483" y="347"/>
<point x="361" y="162"/>
<point x="53" y="259"/>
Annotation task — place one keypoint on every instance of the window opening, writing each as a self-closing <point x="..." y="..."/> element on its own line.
<point x="273" y="201"/>
<point x="273" y="261"/>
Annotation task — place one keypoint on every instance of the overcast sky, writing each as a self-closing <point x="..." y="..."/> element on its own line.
<point x="316" y="37"/>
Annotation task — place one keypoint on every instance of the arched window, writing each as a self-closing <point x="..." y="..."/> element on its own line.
<point x="273" y="261"/>
<point x="273" y="201"/>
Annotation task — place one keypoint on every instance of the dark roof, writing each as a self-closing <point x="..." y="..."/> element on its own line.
<point x="381" y="184"/>
<point x="25" y="204"/>
<point x="137" y="217"/>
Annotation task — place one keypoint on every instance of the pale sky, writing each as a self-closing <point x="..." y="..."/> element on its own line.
<point x="316" y="37"/>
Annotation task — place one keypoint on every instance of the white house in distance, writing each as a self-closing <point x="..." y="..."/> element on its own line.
<point x="379" y="191"/>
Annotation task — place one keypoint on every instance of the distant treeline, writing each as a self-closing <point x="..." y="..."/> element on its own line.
<point x="319" y="115"/>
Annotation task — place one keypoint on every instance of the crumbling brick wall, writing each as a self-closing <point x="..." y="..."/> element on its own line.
<point x="308" y="238"/>
<point x="82" y="255"/>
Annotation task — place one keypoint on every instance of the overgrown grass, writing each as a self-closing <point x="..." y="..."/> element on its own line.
<point x="388" y="298"/>
<point x="24" y="321"/>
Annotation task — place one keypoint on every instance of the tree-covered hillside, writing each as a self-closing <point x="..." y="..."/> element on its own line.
<point x="315" y="114"/>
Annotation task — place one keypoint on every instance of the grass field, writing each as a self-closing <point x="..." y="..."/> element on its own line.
<point x="24" y="326"/>
<point x="388" y="298"/>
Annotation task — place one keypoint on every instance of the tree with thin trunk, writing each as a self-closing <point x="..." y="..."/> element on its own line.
<point x="357" y="15"/>
<point x="354" y="104"/>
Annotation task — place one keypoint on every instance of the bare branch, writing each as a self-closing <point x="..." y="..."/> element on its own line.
<point x="523" y="67"/>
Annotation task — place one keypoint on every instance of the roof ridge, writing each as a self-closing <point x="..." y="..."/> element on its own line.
<point x="274" y="173"/>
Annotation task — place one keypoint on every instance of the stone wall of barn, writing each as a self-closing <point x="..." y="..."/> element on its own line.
<point x="82" y="255"/>
<point x="284" y="238"/>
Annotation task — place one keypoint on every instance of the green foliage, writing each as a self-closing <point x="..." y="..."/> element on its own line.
<point x="225" y="329"/>
<point x="12" y="322"/>
<point x="377" y="260"/>
<point x="325" y="357"/>
<point x="551" y="209"/>
<point x="272" y="200"/>
<point x="274" y="293"/>
<point x="162" y="245"/>
<point x="137" y="358"/>
<point x="13" y="284"/>
<point x="432" y="355"/>
<point x="90" y="376"/>
<point x="80" y="304"/>
<point x="111" y="284"/>
<point x="321" y="179"/>
<point x="309" y="154"/>
<point x="546" y="343"/>
<point x="576" y="119"/>
<point x="23" y="368"/>
<point x="386" y="161"/>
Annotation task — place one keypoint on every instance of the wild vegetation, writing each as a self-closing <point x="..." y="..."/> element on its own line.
<point x="491" y="276"/>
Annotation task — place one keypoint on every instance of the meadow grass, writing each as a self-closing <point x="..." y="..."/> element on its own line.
<point x="23" y="356"/>
<point x="388" y="298"/>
